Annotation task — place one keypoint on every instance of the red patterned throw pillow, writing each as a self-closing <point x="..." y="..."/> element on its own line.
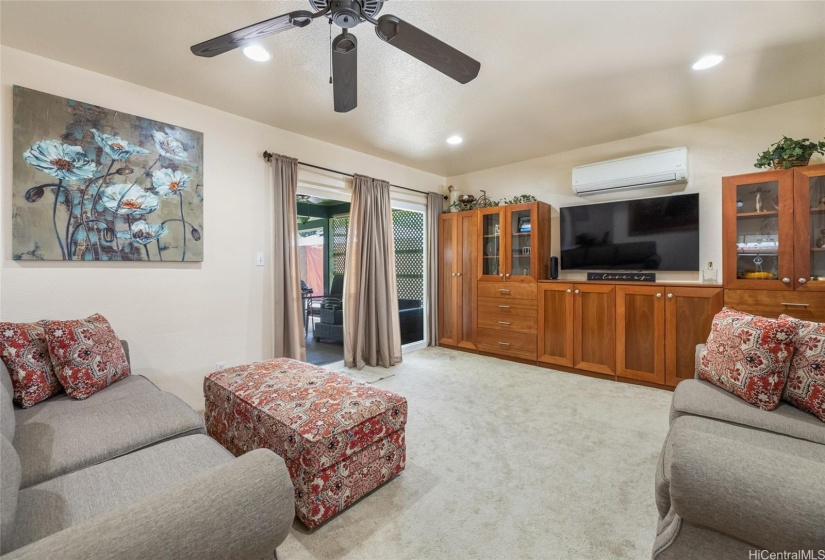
<point x="26" y="355"/>
<point x="86" y="354"/>
<point x="748" y="356"/>
<point x="806" y="378"/>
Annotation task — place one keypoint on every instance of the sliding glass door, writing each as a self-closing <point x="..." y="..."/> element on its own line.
<point x="324" y="210"/>
<point x="408" y="230"/>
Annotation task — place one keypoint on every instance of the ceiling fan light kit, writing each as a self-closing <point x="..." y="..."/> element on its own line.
<point x="346" y="14"/>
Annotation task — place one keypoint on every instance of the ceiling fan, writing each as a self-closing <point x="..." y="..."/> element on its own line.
<point x="310" y="199"/>
<point x="347" y="14"/>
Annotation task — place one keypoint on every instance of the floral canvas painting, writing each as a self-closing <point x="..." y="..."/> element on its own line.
<point x="94" y="184"/>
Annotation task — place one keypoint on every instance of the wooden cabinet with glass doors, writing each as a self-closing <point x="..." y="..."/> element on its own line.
<point x="515" y="243"/>
<point x="774" y="242"/>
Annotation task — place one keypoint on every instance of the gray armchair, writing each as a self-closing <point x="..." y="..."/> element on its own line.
<point x="733" y="478"/>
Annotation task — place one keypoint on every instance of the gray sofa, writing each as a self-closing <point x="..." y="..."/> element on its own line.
<point x="733" y="478"/>
<point x="129" y="473"/>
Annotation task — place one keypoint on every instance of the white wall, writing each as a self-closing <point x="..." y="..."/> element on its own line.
<point x="181" y="319"/>
<point x="718" y="147"/>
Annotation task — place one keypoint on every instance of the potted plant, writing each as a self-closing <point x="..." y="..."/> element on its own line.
<point x="789" y="153"/>
<point x="520" y="199"/>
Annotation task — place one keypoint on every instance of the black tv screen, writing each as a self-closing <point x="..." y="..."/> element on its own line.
<point x="659" y="233"/>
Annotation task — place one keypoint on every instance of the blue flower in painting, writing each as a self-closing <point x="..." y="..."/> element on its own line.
<point x="62" y="161"/>
<point x="169" y="147"/>
<point x="168" y="182"/>
<point x="143" y="232"/>
<point x="116" y="147"/>
<point x="128" y="200"/>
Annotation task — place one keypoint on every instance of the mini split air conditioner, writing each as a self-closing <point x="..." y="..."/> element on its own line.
<point x="654" y="169"/>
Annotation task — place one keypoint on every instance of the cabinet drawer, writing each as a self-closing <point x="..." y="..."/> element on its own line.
<point x="518" y="345"/>
<point x="507" y="322"/>
<point x="513" y="290"/>
<point x="769" y="303"/>
<point x="508" y="307"/>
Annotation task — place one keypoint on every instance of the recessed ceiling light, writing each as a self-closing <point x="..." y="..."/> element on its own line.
<point x="455" y="140"/>
<point x="708" y="61"/>
<point x="256" y="53"/>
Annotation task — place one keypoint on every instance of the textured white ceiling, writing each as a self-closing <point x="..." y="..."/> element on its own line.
<point x="554" y="75"/>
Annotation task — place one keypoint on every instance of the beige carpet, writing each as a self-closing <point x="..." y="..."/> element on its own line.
<point x="506" y="461"/>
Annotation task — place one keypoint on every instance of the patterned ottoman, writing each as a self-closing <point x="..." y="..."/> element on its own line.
<point x="340" y="438"/>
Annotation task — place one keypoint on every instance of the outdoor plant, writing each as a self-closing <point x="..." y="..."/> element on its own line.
<point x="789" y="153"/>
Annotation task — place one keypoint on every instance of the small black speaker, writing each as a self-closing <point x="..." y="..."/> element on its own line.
<point x="554" y="268"/>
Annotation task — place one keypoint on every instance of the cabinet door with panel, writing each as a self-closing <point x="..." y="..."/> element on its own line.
<point x="466" y="278"/>
<point x="809" y="228"/>
<point x="578" y="326"/>
<point x="447" y="247"/>
<point x="688" y="315"/>
<point x="640" y="333"/>
<point x="595" y="320"/>
<point x="556" y="318"/>
<point x="457" y="279"/>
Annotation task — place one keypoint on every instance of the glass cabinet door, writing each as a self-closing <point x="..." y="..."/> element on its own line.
<point x="809" y="221"/>
<point x="520" y="234"/>
<point x="491" y="223"/>
<point x="758" y="230"/>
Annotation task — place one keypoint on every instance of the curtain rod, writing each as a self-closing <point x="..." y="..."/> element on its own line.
<point x="268" y="157"/>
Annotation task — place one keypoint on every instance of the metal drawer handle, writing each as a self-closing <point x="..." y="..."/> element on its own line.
<point x="504" y="306"/>
<point x="504" y="290"/>
<point x="504" y="322"/>
<point x="458" y="274"/>
<point x="803" y="281"/>
<point x="577" y="291"/>
<point x="569" y="290"/>
<point x="504" y="343"/>
<point x="796" y="304"/>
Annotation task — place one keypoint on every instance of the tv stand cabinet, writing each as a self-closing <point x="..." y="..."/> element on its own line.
<point x="635" y="332"/>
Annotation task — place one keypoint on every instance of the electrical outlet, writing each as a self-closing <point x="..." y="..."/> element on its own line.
<point x="260" y="260"/>
<point x="220" y="366"/>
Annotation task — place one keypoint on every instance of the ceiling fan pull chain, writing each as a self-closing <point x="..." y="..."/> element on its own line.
<point x="330" y="50"/>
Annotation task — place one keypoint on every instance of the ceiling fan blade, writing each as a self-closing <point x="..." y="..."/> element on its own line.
<point x="239" y="37"/>
<point x="345" y="72"/>
<point x="427" y="48"/>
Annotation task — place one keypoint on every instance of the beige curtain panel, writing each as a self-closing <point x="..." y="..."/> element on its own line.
<point x="372" y="334"/>
<point x="289" y="325"/>
<point x="435" y="203"/>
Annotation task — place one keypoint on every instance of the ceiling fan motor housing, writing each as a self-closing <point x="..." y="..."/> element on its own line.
<point x="347" y="13"/>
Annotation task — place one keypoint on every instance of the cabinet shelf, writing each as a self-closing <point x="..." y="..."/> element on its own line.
<point x="765" y="214"/>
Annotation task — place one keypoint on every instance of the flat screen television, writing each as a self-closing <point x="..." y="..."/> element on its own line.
<point x="660" y="233"/>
